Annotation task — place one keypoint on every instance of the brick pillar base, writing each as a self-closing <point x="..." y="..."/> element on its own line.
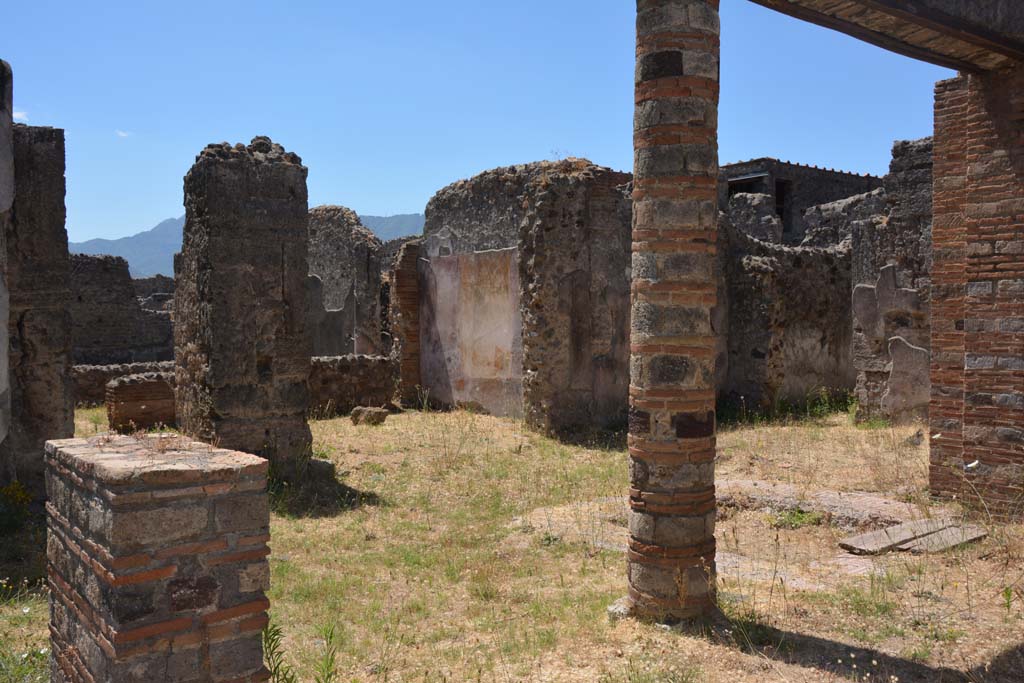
<point x="157" y="561"/>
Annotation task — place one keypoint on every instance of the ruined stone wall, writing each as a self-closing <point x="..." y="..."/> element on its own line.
<point x="156" y="561"/>
<point x="6" y="207"/>
<point x="831" y="224"/>
<point x="348" y="258"/>
<point x="804" y="187"/>
<point x="39" y="328"/>
<point x="146" y="287"/>
<point x="109" y="325"/>
<point x="573" y="270"/>
<point x="341" y="383"/>
<point x="977" y="332"/>
<point x="90" y="381"/>
<point x="404" y="320"/>
<point x="788" y="312"/>
<point x="889" y="232"/>
<point x="471" y="345"/>
<point x="486" y="211"/>
<point x="242" y="345"/>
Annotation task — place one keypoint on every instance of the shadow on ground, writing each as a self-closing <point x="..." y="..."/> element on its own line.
<point x="847" y="662"/>
<point x="316" y="493"/>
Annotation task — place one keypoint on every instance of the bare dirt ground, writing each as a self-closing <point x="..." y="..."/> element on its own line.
<point x="465" y="548"/>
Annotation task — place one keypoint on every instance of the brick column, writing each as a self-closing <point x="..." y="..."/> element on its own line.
<point x="671" y="552"/>
<point x="978" y="320"/>
<point x="157" y="561"/>
<point x="949" y="286"/>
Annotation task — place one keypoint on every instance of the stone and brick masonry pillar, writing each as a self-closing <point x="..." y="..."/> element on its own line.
<point x="671" y="556"/>
<point x="39" y="328"/>
<point x="977" y="407"/>
<point x="157" y="561"/>
<point x="242" y="346"/>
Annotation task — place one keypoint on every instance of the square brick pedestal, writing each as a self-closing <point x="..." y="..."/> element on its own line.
<point x="157" y="559"/>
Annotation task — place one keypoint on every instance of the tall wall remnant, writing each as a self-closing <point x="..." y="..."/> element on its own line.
<point x="39" y="328"/>
<point x="347" y="257"/>
<point x="573" y="265"/>
<point x="6" y="206"/>
<point x="888" y="232"/>
<point x="793" y="188"/>
<point x="524" y="288"/>
<point x="109" y="324"/>
<point x="671" y="554"/>
<point x="977" y="303"/>
<point x="404" y="317"/>
<point x="786" y="312"/>
<point x="157" y="561"/>
<point x="242" y="346"/>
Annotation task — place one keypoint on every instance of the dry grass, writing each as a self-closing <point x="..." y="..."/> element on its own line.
<point x="482" y="560"/>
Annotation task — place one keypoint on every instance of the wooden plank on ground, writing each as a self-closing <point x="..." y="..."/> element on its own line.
<point x="947" y="539"/>
<point x="884" y="540"/>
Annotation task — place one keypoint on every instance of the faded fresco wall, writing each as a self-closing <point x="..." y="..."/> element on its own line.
<point x="471" y="346"/>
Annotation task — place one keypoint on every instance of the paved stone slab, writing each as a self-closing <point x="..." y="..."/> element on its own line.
<point x="884" y="540"/>
<point x="947" y="539"/>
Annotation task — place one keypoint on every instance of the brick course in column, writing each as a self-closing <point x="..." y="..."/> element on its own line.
<point x="671" y="555"/>
<point x="157" y="560"/>
<point x="978" y="434"/>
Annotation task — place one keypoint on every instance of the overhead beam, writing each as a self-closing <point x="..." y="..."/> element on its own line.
<point x="948" y="24"/>
<point x="868" y="36"/>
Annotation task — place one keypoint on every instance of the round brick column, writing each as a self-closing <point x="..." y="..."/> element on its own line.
<point x="671" y="552"/>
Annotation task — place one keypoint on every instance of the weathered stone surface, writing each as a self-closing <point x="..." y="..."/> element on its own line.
<point x="339" y="384"/>
<point x="348" y="258"/>
<point x="485" y="212"/>
<point x="404" y="318"/>
<point x="574" y="265"/>
<point x="90" y="381"/>
<point x="788" y="320"/>
<point x="39" y="328"/>
<point x="156" y="560"/>
<point x="831" y="224"/>
<point x="756" y="215"/>
<point x="141" y="402"/>
<point x="242" y="344"/>
<point x="907" y="390"/>
<point x="793" y="188"/>
<point x="369" y="416"/>
<point x="110" y="325"/>
<point x="881" y="314"/>
<point x="6" y="203"/>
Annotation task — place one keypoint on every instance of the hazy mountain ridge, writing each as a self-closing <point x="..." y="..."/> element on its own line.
<point x="151" y="252"/>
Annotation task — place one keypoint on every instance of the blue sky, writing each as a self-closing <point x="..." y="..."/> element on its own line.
<point x="388" y="102"/>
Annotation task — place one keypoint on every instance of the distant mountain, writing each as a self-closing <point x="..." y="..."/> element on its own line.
<point x="152" y="252"/>
<point x="390" y="227"/>
<point x="148" y="253"/>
